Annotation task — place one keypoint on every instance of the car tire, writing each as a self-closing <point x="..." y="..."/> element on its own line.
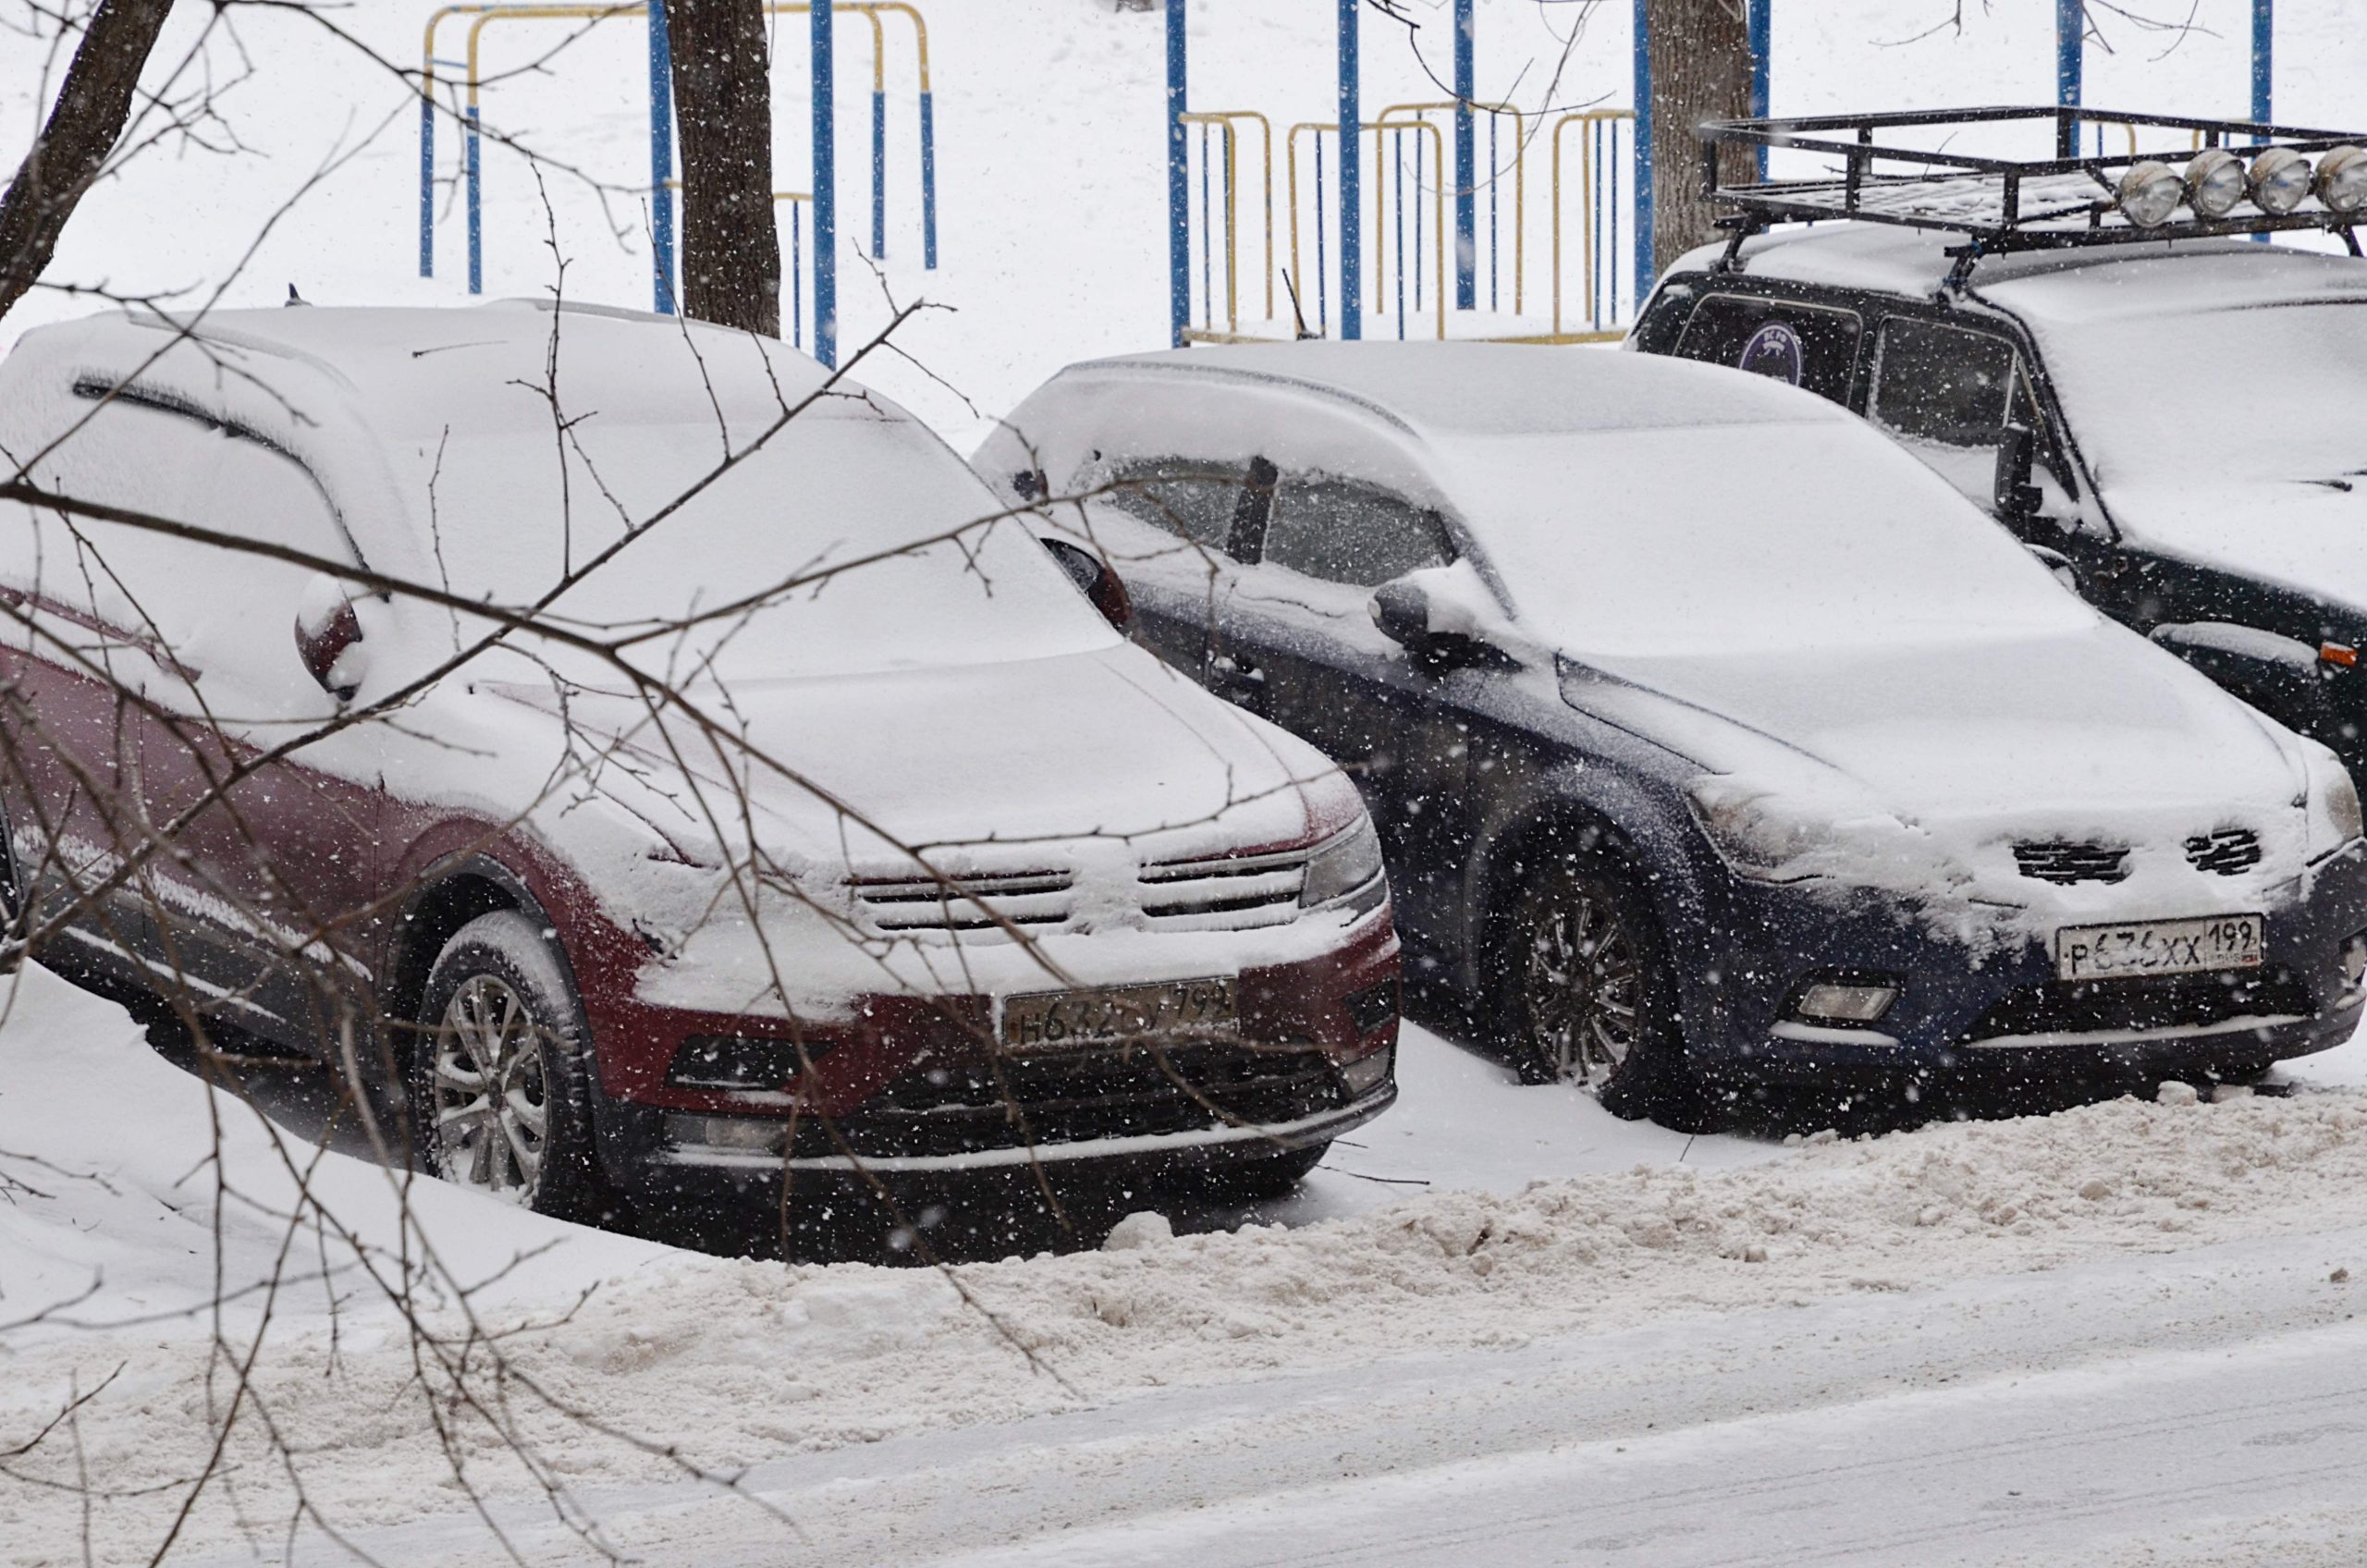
<point x="1592" y="999"/>
<point x="499" y="1007"/>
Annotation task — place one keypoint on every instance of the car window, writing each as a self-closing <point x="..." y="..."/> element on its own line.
<point x="1189" y="498"/>
<point x="1813" y="347"/>
<point x="1949" y="384"/>
<point x="1341" y="531"/>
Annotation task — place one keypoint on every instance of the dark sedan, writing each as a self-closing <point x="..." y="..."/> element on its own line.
<point x="1713" y="740"/>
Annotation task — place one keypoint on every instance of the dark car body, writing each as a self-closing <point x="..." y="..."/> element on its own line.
<point x="1391" y="462"/>
<point x="796" y="949"/>
<point x="2252" y="569"/>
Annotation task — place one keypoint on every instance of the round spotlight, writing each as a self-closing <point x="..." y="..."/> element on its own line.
<point x="2149" y="192"/>
<point x="2281" y="180"/>
<point x="2342" y="179"/>
<point x="2215" y="183"/>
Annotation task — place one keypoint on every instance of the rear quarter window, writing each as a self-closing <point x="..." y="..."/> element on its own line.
<point x="1814" y="347"/>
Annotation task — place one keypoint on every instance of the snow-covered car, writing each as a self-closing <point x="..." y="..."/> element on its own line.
<point x="816" y="820"/>
<point x="1713" y="741"/>
<point x="2240" y="547"/>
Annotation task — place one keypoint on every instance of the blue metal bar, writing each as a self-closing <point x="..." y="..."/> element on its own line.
<point x="1352" y="259"/>
<point x="1466" y="245"/>
<point x="929" y="184"/>
<point x="2070" y="30"/>
<point x="1179" y="183"/>
<point x="1611" y="172"/>
<point x="2264" y="51"/>
<point x="1397" y="158"/>
<point x="1322" y="263"/>
<point x="825" y="201"/>
<point x="1761" y="24"/>
<point x="1644" y="270"/>
<point x="879" y="175"/>
<point x="1417" y="219"/>
<point x="476" y="211"/>
<point x="661" y="161"/>
<point x="426" y="185"/>
<point x="1495" y="231"/>
<point x="1208" y="272"/>
<point x="796" y="278"/>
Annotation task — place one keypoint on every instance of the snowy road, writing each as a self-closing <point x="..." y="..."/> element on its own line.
<point x="2207" y="1407"/>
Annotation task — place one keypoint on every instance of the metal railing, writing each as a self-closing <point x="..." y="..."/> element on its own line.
<point x="470" y="111"/>
<point x="1599" y="209"/>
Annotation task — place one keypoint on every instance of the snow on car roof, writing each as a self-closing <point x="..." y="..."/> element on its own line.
<point x="2123" y="280"/>
<point x="415" y="371"/>
<point x="1460" y="389"/>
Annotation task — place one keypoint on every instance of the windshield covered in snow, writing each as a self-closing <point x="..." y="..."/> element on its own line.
<point x="1741" y="537"/>
<point x="876" y="498"/>
<point x="2140" y="390"/>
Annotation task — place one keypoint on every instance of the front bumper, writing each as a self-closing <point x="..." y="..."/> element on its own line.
<point x="1965" y="1009"/>
<point x="916" y="1085"/>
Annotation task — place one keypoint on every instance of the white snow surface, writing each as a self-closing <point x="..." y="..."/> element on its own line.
<point x="727" y="1364"/>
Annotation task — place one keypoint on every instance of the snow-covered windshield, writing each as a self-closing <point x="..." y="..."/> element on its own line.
<point x="832" y="489"/>
<point x="2141" y="390"/>
<point x="1732" y="538"/>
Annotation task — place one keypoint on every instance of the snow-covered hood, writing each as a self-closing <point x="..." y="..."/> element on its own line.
<point x="972" y="764"/>
<point x="1920" y="768"/>
<point x="2310" y="535"/>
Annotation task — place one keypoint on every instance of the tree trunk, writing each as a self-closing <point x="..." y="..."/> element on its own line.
<point x="1701" y="54"/>
<point x="723" y="112"/>
<point x="84" y="128"/>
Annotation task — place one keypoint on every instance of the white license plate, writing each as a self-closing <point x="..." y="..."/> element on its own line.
<point x="1064" y="1021"/>
<point x="2160" y="947"/>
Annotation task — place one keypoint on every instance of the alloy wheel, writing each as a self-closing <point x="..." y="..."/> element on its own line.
<point x="491" y="1090"/>
<point x="1582" y="986"/>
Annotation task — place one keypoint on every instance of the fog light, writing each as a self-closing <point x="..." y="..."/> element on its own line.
<point x="1369" y="1072"/>
<point x="2281" y="178"/>
<point x="1832" y="1002"/>
<point x="2215" y="183"/>
<point x="2342" y="179"/>
<point x="2354" y="960"/>
<point x="731" y="1061"/>
<point x="2149" y="192"/>
<point x="744" y="1134"/>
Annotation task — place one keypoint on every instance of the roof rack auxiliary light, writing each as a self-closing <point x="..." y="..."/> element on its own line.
<point x="2190" y="183"/>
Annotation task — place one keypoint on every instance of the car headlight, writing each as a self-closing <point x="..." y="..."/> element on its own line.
<point x="2149" y="192"/>
<point x="2332" y="803"/>
<point x="1345" y="864"/>
<point x="2342" y="179"/>
<point x="2215" y="182"/>
<point x="1758" y="835"/>
<point x="2281" y="180"/>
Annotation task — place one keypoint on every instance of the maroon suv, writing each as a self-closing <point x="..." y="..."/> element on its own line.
<point x="657" y="757"/>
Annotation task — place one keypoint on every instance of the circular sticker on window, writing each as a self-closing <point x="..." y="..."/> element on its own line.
<point x="1775" y="349"/>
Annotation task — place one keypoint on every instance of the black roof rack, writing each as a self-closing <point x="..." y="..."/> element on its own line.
<point x="2003" y="204"/>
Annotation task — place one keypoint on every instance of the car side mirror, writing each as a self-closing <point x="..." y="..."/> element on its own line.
<point x="1437" y="614"/>
<point x="2015" y="499"/>
<point x="328" y="637"/>
<point x="1095" y="581"/>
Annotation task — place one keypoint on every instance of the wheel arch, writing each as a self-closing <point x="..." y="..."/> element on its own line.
<point x="452" y="893"/>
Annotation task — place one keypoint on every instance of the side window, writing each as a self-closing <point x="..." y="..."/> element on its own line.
<point x="1813" y="347"/>
<point x="1947" y="384"/>
<point x="1341" y="531"/>
<point x="1188" y="497"/>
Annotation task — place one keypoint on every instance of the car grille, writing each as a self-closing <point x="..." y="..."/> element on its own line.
<point x="2230" y="851"/>
<point x="1037" y="899"/>
<point x="2177" y="1001"/>
<point x="1223" y="894"/>
<point x="2072" y="862"/>
<point x="1210" y="893"/>
<point x="972" y="1106"/>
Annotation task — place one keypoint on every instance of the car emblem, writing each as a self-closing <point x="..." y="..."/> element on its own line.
<point x="1774" y="349"/>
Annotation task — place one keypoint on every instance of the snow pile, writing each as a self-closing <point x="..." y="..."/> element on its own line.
<point x="730" y="1362"/>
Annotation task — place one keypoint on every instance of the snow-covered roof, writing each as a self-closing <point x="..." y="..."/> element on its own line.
<point x="408" y="371"/>
<point x="1460" y="389"/>
<point x="1883" y="257"/>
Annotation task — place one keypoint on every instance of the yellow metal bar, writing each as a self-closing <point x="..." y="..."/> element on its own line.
<point x="1265" y="147"/>
<point x="492" y="14"/>
<point x="1520" y="174"/>
<point x="1586" y="174"/>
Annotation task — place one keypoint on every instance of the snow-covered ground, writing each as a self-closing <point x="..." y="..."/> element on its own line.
<point x="1496" y="1322"/>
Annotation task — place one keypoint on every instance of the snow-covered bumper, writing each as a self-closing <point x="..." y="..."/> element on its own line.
<point x="1966" y="1002"/>
<point x="924" y="1084"/>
